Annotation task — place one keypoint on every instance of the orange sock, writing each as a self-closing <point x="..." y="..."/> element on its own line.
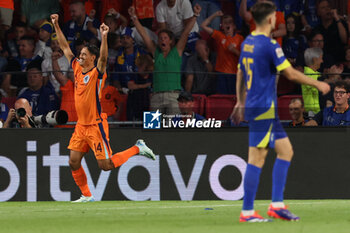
<point x="81" y="180"/>
<point x="121" y="157"/>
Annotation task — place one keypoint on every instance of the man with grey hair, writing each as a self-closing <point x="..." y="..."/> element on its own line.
<point x="313" y="59"/>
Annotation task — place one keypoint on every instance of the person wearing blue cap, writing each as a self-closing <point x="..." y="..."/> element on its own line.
<point x="125" y="60"/>
<point x="42" y="47"/>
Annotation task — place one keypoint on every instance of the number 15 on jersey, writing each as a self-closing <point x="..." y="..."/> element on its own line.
<point x="247" y="62"/>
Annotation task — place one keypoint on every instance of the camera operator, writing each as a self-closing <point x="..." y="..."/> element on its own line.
<point x="21" y="116"/>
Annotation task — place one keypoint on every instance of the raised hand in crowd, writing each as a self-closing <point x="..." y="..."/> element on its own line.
<point x="104" y="29"/>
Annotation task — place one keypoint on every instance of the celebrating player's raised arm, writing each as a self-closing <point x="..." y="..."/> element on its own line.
<point x="61" y="38"/>
<point x="102" y="60"/>
<point x="296" y="76"/>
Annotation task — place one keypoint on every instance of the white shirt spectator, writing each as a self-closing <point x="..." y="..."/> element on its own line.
<point x="173" y="17"/>
<point x="46" y="67"/>
<point x="42" y="50"/>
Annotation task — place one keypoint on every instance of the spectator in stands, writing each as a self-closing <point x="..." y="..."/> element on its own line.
<point x="12" y="83"/>
<point x="333" y="29"/>
<point x="138" y="39"/>
<point x="11" y="46"/>
<point x="174" y="15"/>
<point x="186" y="105"/>
<point x="81" y="25"/>
<point x="42" y="98"/>
<point x="125" y="60"/>
<point x="16" y="120"/>
<point x="296" y="110"/>
<point x="228" y="45"/>
<point x="313" y="60"/>
<point x="139" y="89"/>
<point x="293" y="43"/>
<point x="280" y="27"/>
<point x="6" y="14"/>
<point x="56" y="62"/>
<point x="347" y="63"/>
<point x="42" y="47"/>
<point x="111" y="4"/>
<point x="66" y="84"/>
<point x="34" y="13"/>
<point x="338" y="114"/>
<point x="3" y="60"/>
<point x="90" y="5"/>
<point x="309" y="16"/>
<point x="316" y="40"/>
<point x="209" y="7"/>
<point x="114" y="44"/>
<point x="291" y="7"/>
<point x="168" y="58"/>
<point x="144" y="12"/>
<point x="111" y="102"/>
<point x="4" y="110"/>
<point x="198" y="69"/>
<point x="111" y="20"/>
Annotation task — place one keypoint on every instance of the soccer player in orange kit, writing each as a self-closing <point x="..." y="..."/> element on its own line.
<point x="91" y="130"/>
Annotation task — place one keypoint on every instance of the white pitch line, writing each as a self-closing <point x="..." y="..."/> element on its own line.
<point x="163" y="207"/>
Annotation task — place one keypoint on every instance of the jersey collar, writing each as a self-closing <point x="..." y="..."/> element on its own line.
<point x="254" y="33"/>
<point x="341" y="112"/>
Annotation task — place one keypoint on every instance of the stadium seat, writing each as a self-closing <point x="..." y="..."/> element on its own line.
<point x="199" y="103"/>
<point x="285" y="87"/>
<point x="9" y="101"/>
<point x="123" y="116"/>
<point x="283" y="106"/>
<point x="219" y="106"/>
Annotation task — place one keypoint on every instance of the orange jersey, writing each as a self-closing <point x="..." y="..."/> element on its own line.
<point x="108" y="4"/>
<point x="9" y="4"/>
<point x="110" y="99"/>
<point x="279" y="20"/>
<point x="144" y="8"/>
<point x="226" y="61"/>
<point x="94" y="136"/>
<point x="87" y="93"/>
<point x="67" y="100"/>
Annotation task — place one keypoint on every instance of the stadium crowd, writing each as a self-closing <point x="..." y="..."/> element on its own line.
<point x="156" y="51"/>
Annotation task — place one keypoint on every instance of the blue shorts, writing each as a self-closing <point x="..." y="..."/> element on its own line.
<point x="263" y="133"/>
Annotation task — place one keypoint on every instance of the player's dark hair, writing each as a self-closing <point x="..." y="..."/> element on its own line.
<point x="93" y="50"/>
<point x="261" y="10"/>
<point x="342" y="84"/>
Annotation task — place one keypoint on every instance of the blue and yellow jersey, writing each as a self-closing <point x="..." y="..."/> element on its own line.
<point x="261" y="58"/>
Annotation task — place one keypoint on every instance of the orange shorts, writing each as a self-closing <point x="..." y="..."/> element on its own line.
<point x="92" y="136"/>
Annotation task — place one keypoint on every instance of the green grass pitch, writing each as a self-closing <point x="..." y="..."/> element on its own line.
<point x="319" y="216"/>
